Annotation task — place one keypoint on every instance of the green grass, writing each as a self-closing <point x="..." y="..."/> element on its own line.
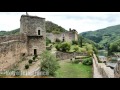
<point x="70" y="70"/>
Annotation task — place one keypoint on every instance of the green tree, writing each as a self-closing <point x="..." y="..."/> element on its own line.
<point x="76" y="48"/>
<point x="74" y="42"/>
<point x="65" y="46"/>
<point x="80" y="38"/>
<point x="49" y="63"/>
<point x="48" y="41"/>
<point x="58" y="46"/>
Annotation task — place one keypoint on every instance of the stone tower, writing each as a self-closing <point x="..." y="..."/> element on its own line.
<point x="34" y="29"/>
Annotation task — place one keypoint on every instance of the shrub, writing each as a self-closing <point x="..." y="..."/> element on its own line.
<point x="49" y="63"/>
<point x="57" y="40"/>
<point x="65" y="47"/>
<point x="34" y="58"/>
<point x="48" y="41"/>
<point x="26" y="66"/>
<point x="30" y="61"/>
<point x="87" y="61"/>
<point x="76" y="48"/>
<point x="83" y="50"/>
<point x="58" y="47"/>
<point x="74" y="42"/>
<point x="17" y="72"/>
<point x="90" y="52"/>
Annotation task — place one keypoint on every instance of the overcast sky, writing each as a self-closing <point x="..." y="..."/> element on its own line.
<point x="81" y="21"/>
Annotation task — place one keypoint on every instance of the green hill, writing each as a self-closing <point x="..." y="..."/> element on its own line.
<point x="54" y="28"/>
<point x="50" y="27"/>
<point x="103" y="36"/>
<point x="12" y="32"/>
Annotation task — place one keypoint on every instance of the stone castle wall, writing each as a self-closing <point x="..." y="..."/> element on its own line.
<point x="68" y="36"/>
<point x="13" y="48"/>
<point x="20" y="37"/>
<point x="11" y="52"/>
<point x="8" y="38"/>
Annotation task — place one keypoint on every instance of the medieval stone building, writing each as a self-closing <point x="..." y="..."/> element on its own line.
<point x="67" y="36"/>
<point x="34" y="28"/>
<point x="31" y="41"/>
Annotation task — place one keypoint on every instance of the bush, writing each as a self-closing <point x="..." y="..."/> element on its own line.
<point x="57" y="40"/>
<point x="76" y="48"/>
<point x="58" y="47"/>
<point x="30" y="61"/>
<point x="90" y="52"/>
<point x="83" y="50"/>
<point x="17" y="72"/>
<point x="65" y="47"/>
<point x="48" y="41"/>
<point x="49" y="63"/>
<point x="74" y="42"/>
<point x="87" y="61"/>
<point x="26" y="66"/>
<point x="34" y="58"/>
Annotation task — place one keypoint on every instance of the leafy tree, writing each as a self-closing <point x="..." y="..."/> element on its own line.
<point x="49" y="63"/>
<point x="74" y="42"/>
<point x="80" y="40"/>
<point x="65" y="46"/>
<point x="58" y="46"/>
<point x="76" y="48"/>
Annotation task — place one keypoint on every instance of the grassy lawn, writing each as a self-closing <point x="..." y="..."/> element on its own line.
<point x="69" y="70"/>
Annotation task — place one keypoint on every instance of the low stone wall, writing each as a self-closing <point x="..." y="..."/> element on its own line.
<point x="68" y="55"/>
<point x="104" y="71"/>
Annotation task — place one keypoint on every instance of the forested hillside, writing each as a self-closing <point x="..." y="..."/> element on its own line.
<point x="50" y="27"/>
<point x="103" y="36"/>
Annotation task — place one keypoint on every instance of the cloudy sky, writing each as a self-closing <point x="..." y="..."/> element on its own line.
<point x="81" y="21"/>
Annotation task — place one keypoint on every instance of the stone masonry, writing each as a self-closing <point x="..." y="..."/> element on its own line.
<point x="67" y="36"/>
<point x="31" y="41"/>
